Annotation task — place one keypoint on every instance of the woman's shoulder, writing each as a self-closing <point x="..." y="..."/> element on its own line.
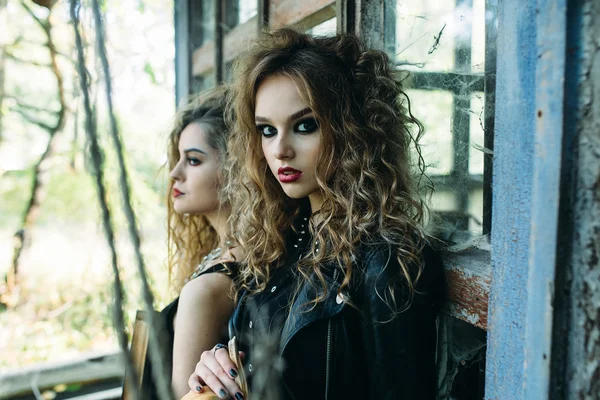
<point x="384" y="266"/>
<point x="212" y="281"/>
<point x="382" y="259"/>
<point x="227" y="267"/>
<point x="380" y="252"/>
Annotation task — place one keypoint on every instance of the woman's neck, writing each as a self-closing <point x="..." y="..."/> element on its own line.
<point x="218" y="220"/>
<point x="316" y="202"/>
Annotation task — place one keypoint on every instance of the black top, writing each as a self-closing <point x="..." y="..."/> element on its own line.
<point x="348" y="346"/>
<point x="259" y="320"/>
<point x="167" y="317"/>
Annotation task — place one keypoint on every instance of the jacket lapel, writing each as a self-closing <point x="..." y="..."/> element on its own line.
<point x="303" y="313"/>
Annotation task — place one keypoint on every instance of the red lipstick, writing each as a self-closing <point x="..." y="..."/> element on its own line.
<point x="177" y="193"/>
<point x="288" y="174"/>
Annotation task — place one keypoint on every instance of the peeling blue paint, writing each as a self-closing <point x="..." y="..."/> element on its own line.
<point x="527" y="158"/>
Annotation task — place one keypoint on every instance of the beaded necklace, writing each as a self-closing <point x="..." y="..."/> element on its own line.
<point x="206" y="260"/>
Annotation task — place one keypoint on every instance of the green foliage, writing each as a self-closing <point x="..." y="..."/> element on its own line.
<point x="66" y="288"/>
<point x="74" y="387"/>
<point x="14" y="193"/>
<point x="148" y="70"/>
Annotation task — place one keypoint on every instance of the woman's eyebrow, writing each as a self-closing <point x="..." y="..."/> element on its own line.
<point x="292" y="117"/>
<point x="300" y="114"/>
<point x="194" y="149"/>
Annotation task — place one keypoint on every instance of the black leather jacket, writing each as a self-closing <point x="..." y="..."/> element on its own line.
<point x="349" y="346"/>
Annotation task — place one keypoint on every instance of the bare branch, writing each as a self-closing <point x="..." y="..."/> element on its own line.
<point x="44" y="24"/>
<point x="38" y="188"/>
<point x="11" y="56"/>
<point x="157" y="355"/>
<point x="32" y="120"/>
<point x="96" y="155"/>
<point x="36" y="43"/>
<point x="66" y="57"/>
<point x="16" y="42"/>
<point x="35" y="108"/>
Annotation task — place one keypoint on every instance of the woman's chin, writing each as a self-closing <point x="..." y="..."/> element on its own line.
<point x="294" y="193"/>
<point x="178" y="208"/>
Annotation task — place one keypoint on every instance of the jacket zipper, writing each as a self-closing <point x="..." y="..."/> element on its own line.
<point x="328" y="360"/>
<point x="327" y="365"/>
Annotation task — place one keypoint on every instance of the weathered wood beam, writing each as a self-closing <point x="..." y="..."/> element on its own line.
<point x="528" y="151"/>
<point x="299" y="15"/>
<point x="234" y="42"/>
<point x="468" y="275"/>
<point x="86" y="369"/>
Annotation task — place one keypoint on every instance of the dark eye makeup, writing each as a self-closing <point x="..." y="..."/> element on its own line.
<point x="305" y="126"/>
<point x="266" y="130"/>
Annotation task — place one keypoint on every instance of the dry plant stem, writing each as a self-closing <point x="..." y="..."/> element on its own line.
<point x="156" y="351"/>
<point x="97" y="163"/>
<point x="41" y="169"/>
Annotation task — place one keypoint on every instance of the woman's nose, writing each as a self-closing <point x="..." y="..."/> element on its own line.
<point x="283" y="148"/>
<point x="175" y="173"/>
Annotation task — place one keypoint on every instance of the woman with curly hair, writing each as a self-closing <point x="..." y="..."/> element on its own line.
<point x="200" y="260"/>
<point x="339" y="288"/>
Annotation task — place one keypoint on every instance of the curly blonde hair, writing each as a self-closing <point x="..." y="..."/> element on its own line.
<point x="373" y="195"/>
<point x="191" y="237"/>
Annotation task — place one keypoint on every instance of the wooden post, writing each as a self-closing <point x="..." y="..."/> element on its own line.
<point x="576" y="341"/>
<point x="528" y="151"/>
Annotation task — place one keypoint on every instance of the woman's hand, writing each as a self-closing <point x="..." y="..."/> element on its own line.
<point x="216" y="370"/>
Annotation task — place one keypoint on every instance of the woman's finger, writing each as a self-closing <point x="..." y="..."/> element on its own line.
<point x="194" y="383"/>
<point x="204" y="374"/>
<point x="222" y="357"/>
<point x="223" y="370"/>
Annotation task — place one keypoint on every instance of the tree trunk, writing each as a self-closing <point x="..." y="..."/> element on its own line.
<point x="40" y="173"/>
<point x="38" y="195"/>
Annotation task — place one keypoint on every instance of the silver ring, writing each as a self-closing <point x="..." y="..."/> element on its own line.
<point x="217" y="347"/>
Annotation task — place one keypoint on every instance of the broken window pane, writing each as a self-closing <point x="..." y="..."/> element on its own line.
<point x="440" y="51"/>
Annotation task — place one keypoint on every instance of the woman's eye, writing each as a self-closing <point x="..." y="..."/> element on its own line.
<point x="266" y="130"/>
<point x="307" y="126"/>
<point x="193" y="161"/>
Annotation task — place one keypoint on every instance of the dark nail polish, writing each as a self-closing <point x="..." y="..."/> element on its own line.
<point x="233" y="373"/>
<point x="222" y="393"/>
<point x="198" y="388"/>
<point x="239" y="396"/>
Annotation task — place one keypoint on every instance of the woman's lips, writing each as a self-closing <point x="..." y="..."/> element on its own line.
<point x="288" y="174"/>
<point x="177" y="193"/>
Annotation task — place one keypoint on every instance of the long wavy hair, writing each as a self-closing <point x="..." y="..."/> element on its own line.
<point x="191" y="237"/>
<point x="368" y="175"/>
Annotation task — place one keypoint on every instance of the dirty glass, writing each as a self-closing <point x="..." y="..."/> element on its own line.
<point x="205" y="27"/>
<point x="247" y="9"/>
<point x="440" y="50"/>
<point x="207" y="11"/>
<point x="326" y="28"/>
